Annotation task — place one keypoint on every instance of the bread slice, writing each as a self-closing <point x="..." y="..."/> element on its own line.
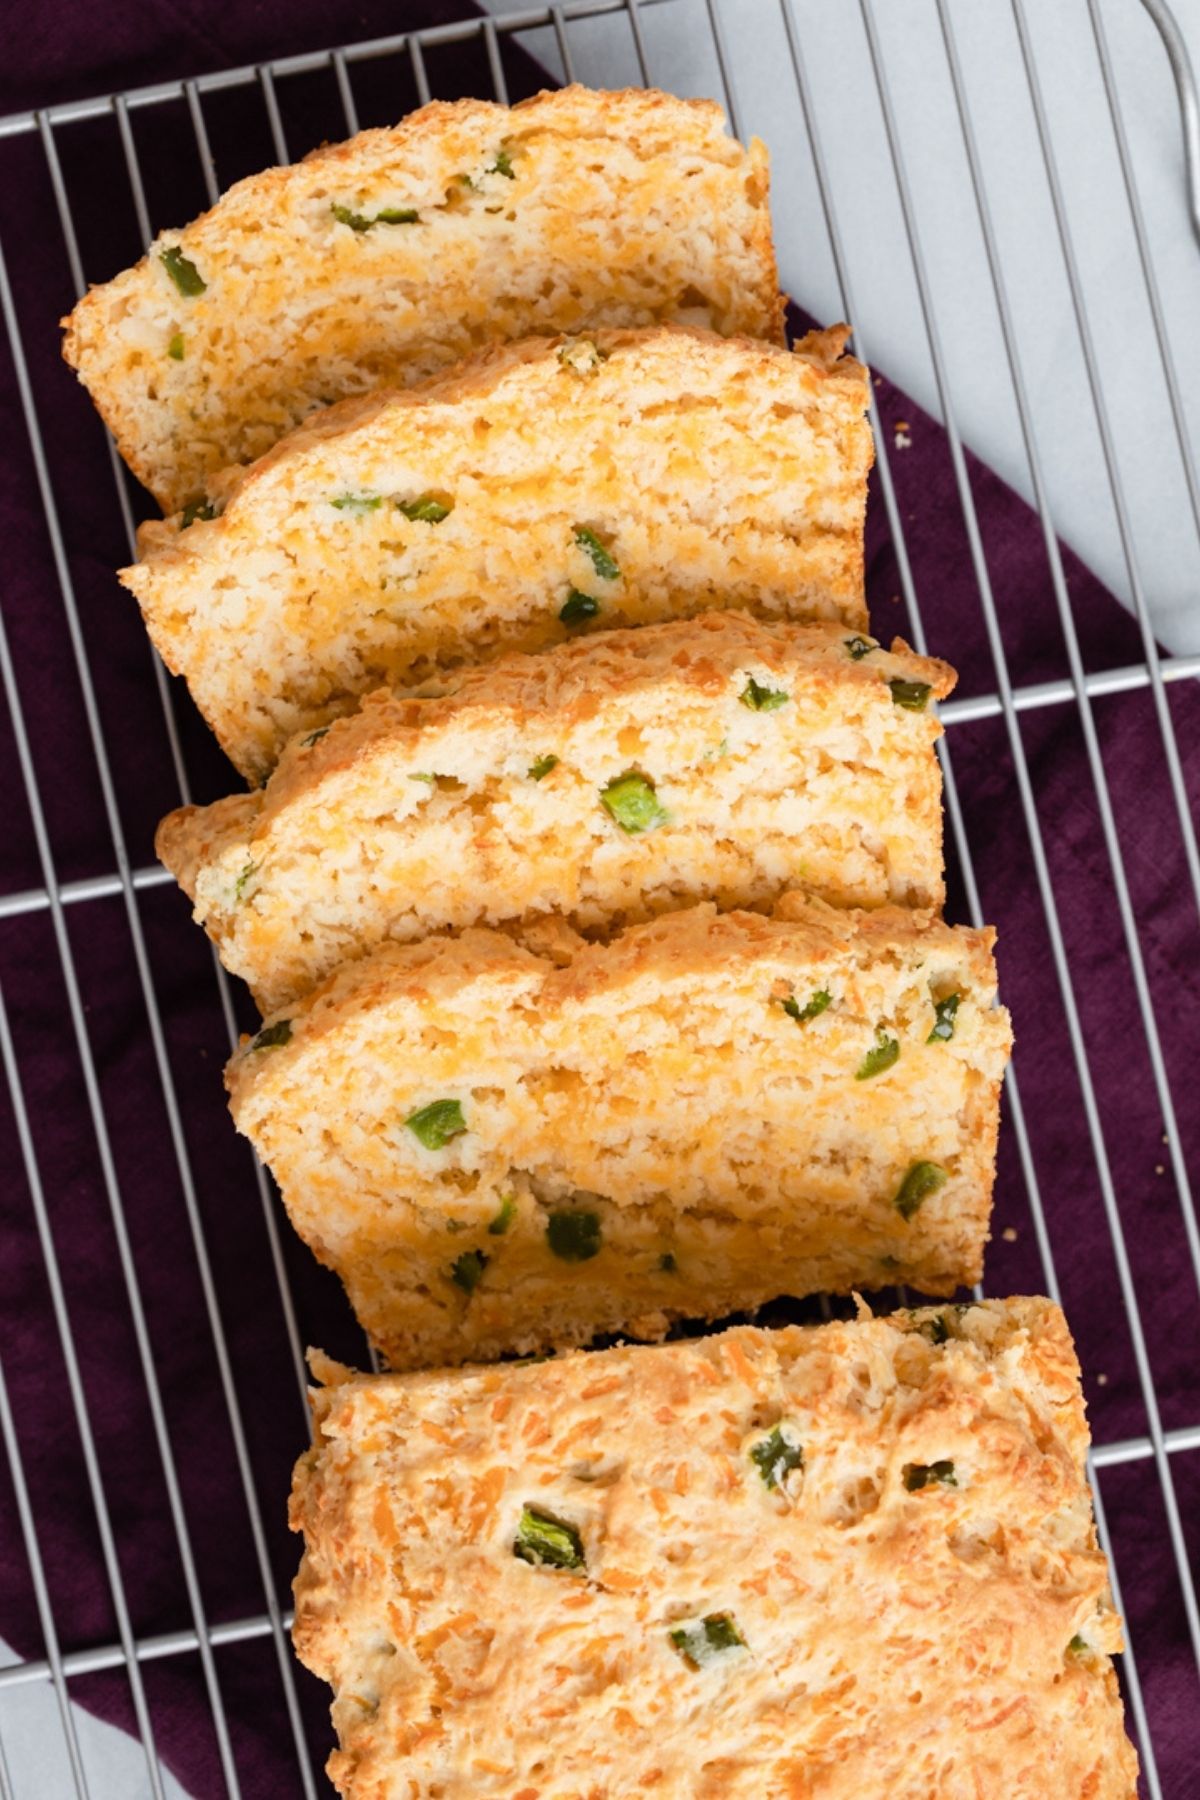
<point x="573" y="210"/>
<point x="770" y="755"/>
<point x="850" y="1562"/>
<point x="501" y="1151"/>
<point x="542" y="488"/>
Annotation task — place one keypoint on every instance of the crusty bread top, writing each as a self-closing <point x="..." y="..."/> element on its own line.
<point x="571" y="683"/>
<point x="566" y="687"/>
<point x="900" y="1636"/>
<point x="669" y="955"/>
<point x="571" y="210"/>
<point x="706" y="472"/>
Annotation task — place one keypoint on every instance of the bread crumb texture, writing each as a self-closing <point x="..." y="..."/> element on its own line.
<point x="542" y="490"/>
<point x="379" y="261"/>
<point x="777" y="756"/>
<point x="855" y="1562"/>
<point x="499" y="1150"/>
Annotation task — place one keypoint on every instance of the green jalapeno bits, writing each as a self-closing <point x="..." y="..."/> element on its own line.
<point x="467" y="1270"/>
<point x="776" y="1455"/>
<point x="762" y="699"/>
<point x="183" y="272"/>
<point x="434" y="1125"/>
<point x="923" y="1475"/>
<point x="705" y="1640"/>
<point x="574" y="1235"/>
<point x="944" y="1011"/>
<point x="812" y="1009"/>
<point x="272" y="1037"/>
<point x="883" y="1054"/>
<point x="913" y="696"/>
<point x="548" y="1542"/>
<point x="630" y="800"/>
<point x="922" y="1179"/>
<point x="602" y="560"/>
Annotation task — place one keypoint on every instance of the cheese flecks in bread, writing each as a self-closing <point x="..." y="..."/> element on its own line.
<point x="542" y="490"/>
<point x="499" y="1151"/>
<point x="777" y="755"/>
<point x="378" y="261"/>
<point x="852" y="1562"/>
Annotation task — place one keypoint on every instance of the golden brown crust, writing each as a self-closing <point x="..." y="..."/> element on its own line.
<point x="352" y="841"/>
<point x="490" y="256"/>
<point x="715" y="472"/>
<point x="900" y="1640"/>
<point x="725" y="1148"/>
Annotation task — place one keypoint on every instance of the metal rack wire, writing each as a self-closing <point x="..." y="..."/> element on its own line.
<point x="59" y="899"/>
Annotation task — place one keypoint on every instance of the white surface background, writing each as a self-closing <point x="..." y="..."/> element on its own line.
<point x="892" y="334"/>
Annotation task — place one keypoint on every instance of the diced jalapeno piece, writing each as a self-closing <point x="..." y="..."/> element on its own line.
<point x="922" y="1179"/>
<point x="183" y="272"/>
<point x="913" y="696"/>
<point x="502" y="166"/>
<point x="272" y="1037"/>
<point x="504" y="1218"/>
<point x="936" y="1329"/>
<point x="883" y="1054"/>
<point x="314" y="737"/>
<point x="427" y="509"/>
<point x="1078" y="1646"/>
<point x="357" y="504"/>
<point x="776" y="1455"/>
<point x="175" y="348"/>
<point x="424" y="775"/>
<point x="390" y="215"/>
<point x="434" y="1125"/>
<point x="577" y="607"/>
<point x="574" y="1235"/>
<point x="859" y="647"/>
<point x="943" y="1029"/>
<point x="923" y="1475"/>
<point x="602" y="560"/>
<point x="704" y="1640"/>
<point x="762" y="699"/>
<point x="548" y="1542"/>
<point x="582" y="357"/>
<point x="630" y="799"/>
<point x="812" y="1008"/>
<point x="542" y="767"/>
<point x="466" y="1271"/>
<point x="239" y="886"/>
<point x="197" y="509"/>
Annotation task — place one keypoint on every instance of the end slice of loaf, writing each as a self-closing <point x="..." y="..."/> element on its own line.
<point x="543" y="489"/>
<point x="571" y="211"/>
<point x="770" y="756"/>
<point x="855" y="1562"/>
<point x="499" y="1152"/>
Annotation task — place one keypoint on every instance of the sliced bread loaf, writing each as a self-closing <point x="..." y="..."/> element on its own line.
<point x="606" y="780"/>
<point x="381" y="260"/>
<point x="544" y="488"/>
<point x="500" y="1151"/>
<point x="853" y="1562"/>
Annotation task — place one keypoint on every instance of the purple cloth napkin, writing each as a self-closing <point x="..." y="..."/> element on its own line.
<point x="79" y="51"/>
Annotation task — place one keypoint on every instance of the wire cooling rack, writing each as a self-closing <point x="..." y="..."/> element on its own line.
<point x="99" y="742"/>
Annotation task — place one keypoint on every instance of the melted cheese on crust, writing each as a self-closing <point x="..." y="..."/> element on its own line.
<point x="899" y="1643"/>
